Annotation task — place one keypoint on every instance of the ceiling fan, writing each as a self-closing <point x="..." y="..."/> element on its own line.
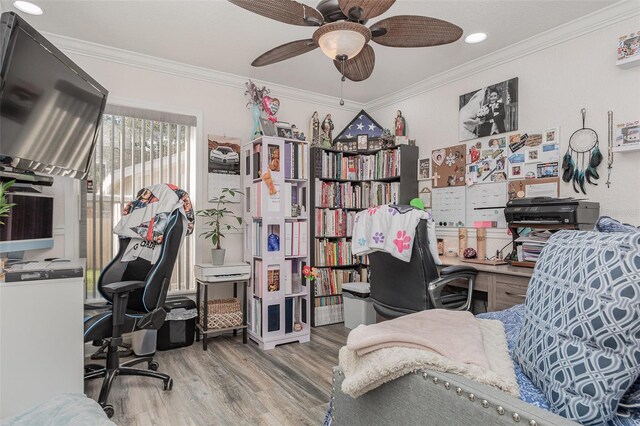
<point x="342" y="34"/>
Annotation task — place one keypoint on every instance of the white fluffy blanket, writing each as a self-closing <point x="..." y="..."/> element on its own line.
<point x="367" y="372"/>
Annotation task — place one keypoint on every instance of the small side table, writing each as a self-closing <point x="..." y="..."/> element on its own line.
<point x="229" y="273"/>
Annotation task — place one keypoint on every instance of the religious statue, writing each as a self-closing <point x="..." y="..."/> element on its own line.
<point x="314" y="129"/>
<point x="327" y="130"/>
<point x="401" y="124"/>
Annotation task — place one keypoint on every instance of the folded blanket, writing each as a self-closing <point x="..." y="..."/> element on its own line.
<point x="432" y="330"/>
<point x="386" y="228"/>
<point x="144" y="220"/>
<point x="367" y="372"/>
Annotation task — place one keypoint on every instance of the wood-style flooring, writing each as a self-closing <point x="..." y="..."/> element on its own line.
<point x="233" y="384"/>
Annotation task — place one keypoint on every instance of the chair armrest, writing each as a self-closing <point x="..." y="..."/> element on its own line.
<point x="455" y="269"/>
<point x="122" y="287"/>
<point x="435" y="288"/>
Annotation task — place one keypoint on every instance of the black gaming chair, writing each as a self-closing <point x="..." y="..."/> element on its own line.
<point x="399" y="288"/>
<point x="136" y="291"/>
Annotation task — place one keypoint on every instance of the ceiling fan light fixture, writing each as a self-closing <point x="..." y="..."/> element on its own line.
<point x="475" y="38"/>
<point x="342" y="39"/>
<point x="27" y="7"/>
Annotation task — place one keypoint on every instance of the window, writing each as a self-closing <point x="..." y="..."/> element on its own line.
<point x="135" y="148"/>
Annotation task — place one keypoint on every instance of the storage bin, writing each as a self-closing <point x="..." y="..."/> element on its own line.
<point x="358" y="306"/>
<point x="180" y="324"/>
<point x="143" y="342"/>
<point x="222" y="313"/>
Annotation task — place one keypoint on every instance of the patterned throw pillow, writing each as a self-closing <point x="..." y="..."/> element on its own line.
<point x="609" y="224"/>
<point x="580" y="339"/>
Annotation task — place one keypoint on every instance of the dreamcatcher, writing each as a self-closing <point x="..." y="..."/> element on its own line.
<point x="582" y="157"/>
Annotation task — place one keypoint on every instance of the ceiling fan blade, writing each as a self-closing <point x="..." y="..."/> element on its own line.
<point x="414" y="31"/>
<point x="361" y="10"/>
<point x="287" y="11"/>
<point x="285" y="51"/>
<point x="360" y="66"/>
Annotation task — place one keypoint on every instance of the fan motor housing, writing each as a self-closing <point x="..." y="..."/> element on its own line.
<point x="330" y="10"/>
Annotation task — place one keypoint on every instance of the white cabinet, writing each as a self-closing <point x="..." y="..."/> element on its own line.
<point x="41" y="342"/>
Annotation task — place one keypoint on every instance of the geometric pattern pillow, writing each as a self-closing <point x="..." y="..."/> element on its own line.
<point x="609" y="224"/>
<point x="580" y="339"/>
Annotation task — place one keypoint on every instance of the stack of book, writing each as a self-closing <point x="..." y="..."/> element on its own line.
<point x="334" y="223"/>
<point x="333" y="253"/>
<point x="531" y="245"/>
<point x="329" y="281"/>
<point x="328" y="310"/>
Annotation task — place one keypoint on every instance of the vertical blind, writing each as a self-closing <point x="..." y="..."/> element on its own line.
<point x="136" y="148"/>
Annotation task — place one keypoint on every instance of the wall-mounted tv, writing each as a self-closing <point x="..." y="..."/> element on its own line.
<point x="50" y="109"/>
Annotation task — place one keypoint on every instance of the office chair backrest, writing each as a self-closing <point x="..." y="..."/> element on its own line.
<point x="399" y="288"/>
<point x="157" y="276"/>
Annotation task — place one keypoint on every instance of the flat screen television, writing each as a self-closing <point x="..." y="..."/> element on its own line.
<point x="29" y="225"/>
<point x="50" y="109"/>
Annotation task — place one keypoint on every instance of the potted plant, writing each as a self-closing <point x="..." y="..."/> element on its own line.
<point x="5" y="207"/>
<point x="214" y="217"/>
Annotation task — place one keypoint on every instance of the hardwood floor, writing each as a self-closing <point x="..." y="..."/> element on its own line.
<point x="233" y="384"/>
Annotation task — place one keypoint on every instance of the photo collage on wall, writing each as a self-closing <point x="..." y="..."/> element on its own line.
<point x="487" y="161"/>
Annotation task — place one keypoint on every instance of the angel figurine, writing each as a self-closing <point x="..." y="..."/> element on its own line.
<point x="314" y="129"/>
<point x="327" y="129"/>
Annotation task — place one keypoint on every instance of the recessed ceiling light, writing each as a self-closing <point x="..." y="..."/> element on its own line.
<point x="26" y="7"/>
<point x="475" y="38"/>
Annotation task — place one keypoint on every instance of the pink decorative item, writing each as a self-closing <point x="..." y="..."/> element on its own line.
<point x="470" y="253"/>
<point x="271" y="107"/>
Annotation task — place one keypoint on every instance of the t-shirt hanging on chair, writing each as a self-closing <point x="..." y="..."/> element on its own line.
<point x="144" y="220"/>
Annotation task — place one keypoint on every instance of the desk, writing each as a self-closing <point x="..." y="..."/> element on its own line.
<point x="41" y="342"/>
<point x="204" y="330"/>
<point x="505" y="285"/>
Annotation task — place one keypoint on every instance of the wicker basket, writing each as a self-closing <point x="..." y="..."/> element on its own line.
<point x="222" y="313"/>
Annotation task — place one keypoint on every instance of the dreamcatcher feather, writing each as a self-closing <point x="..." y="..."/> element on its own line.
<point x="583" y="145"/>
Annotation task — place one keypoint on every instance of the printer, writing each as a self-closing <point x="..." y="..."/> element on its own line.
<point x="539" y="211"/>
<point x="240" y="271"/>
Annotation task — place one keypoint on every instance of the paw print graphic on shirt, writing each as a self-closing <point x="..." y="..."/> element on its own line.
<point x="393" y="211"/>
<point x="378" y="237"/>
<point x="362" y="241"/>
<point x="373" y="210"/>
<point x="402" y="241"/>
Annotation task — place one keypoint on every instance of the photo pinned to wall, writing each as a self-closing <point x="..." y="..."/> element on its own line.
<point x="530" y="170"/>
<point x="449" y="166"/>
<point x="534" y="139"/>
<point x="424" y="169"/>
<point x="628" y="134"/>
<point x="549" y="153"/>
<point x="531" y="155"/>
<point x="223" y="165"/>
<point x="552" y="136"/>
<point x="547" y="170"/>
<point x="489" y="111"/>
<point x="486" y="161"/>
<point x="516" y="171"/>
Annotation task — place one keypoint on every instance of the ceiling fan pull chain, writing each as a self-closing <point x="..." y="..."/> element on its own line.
<point x="342" y="79"/>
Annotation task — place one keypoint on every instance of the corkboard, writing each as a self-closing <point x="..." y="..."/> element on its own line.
<point x="449" y="166"/>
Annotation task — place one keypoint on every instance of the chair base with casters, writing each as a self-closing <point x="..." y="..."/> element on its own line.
<point x="121" y="322"/>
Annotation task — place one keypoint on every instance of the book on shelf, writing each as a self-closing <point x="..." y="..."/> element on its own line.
<point x="357" y="195"/>
<point x="255" y="321"/>
<point x="383" y="164"/>
<point x="257" y="278"/>
<point x="295" y="159"/>
<point x="334" y="223"/>
<point x="333" y="252"/>
<point x="329" y="281"/>
<point x="328" y="310"/>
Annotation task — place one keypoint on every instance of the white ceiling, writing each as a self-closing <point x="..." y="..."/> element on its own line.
<point x="217" y="35"/>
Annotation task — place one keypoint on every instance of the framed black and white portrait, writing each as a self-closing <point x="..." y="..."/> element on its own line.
<point x="424" y="169"/>
<point x="283" y="131"/>
<point x="491" y="110"/>
<point x="268" y="128"/>
<point x="363" y="143"/>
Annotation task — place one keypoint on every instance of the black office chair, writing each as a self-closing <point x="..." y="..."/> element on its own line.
<point x="136" y="291"/>
<point x="399" y="288"/>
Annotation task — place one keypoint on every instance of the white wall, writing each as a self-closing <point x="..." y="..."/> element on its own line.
<point x="554" y="84"/>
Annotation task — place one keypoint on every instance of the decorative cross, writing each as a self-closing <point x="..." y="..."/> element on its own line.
<point x="435" y="176"/>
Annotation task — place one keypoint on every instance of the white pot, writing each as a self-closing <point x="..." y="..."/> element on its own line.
<point x="217" y="257"/>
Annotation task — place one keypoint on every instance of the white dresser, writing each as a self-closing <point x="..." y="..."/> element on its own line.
<point x="41" y="342"/>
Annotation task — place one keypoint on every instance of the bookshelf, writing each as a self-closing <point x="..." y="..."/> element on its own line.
<point x="344" y="183"/>
<point x="276" y="240"/>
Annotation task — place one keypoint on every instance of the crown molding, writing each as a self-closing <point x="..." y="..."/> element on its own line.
<point x="605" y="17"/>
<point x="73" y="46"/>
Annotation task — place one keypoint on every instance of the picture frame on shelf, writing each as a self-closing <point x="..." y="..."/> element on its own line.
<point x="374" y="144"/>
<point x="363" y="142"/>
<point x="424" y="169"/>
<point x="425" y="196"/>
<point x="283" y="130"/>
<point x="267" y="126"/>
<point x="339" y="146"/>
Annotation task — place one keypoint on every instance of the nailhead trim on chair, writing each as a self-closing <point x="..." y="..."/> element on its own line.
<point x="472" y="397"/>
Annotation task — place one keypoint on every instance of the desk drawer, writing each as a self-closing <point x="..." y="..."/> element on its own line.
<point x="510" y="291"/>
